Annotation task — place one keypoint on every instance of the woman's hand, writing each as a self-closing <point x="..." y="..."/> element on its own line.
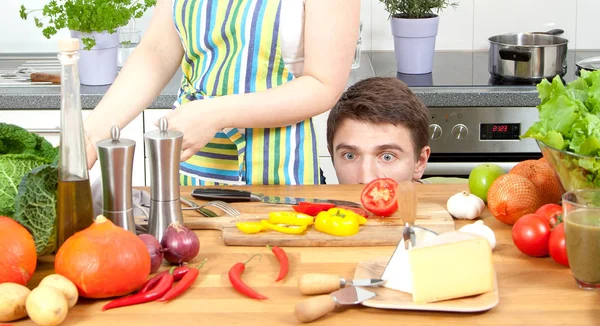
<point x="197" y="124"/>
<point x="90" y="151"/>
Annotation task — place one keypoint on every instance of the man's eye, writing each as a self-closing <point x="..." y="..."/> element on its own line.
<point x="349" y="156"/>
<point x="388" y="157"/>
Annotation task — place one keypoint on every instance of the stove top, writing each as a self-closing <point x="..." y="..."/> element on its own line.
<point x="463" y="69"/>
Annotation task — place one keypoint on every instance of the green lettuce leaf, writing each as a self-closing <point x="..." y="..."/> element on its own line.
<point x="35" y="206"/>
<point x="570" y="121"/>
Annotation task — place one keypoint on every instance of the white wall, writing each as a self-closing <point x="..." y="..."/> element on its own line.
<point x="466" y="28"/>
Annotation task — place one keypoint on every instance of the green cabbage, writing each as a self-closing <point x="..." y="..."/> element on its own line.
<point x="28" y="183"/>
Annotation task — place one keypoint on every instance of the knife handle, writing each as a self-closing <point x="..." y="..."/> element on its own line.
<point x="44" y="77"/>
<point x="314" y="308"/>
<point x="314" y="283"/>
<point x="228" y="195"/>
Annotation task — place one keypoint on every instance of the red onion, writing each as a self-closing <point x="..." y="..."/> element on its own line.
<point x="180" y="244"/>
<point x="155" y="250"/>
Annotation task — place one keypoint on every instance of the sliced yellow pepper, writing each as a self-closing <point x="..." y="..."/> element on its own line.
<point x="292" y="229"/>
<point x="337" y="223"/>
<point x="346" y="212"/>
<point x="250" y="227"/>
<point x="290" y="218"/>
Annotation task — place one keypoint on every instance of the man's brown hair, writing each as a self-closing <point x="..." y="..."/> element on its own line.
<point x="381" y="100"/>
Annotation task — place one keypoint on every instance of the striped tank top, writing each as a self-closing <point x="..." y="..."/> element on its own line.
<point x="233" y="47"/>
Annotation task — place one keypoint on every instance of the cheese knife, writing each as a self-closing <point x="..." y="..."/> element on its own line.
<point x="234" y="195"/>
<point x="315" y="283"/>
<point x="319" y="306"/>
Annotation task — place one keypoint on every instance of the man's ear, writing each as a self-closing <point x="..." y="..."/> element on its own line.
<point x="421" y="163"/>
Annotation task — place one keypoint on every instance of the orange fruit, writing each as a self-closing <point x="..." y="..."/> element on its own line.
<point x="542" y="175"/>
<point x="512" y="196"/>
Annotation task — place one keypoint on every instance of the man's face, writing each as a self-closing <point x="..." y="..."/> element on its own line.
<point x="363" y="152"/>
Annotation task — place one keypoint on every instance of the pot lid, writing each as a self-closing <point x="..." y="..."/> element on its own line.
<point x="589" y="64"/>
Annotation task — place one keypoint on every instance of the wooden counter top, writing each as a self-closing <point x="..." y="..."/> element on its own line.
<point x="533" y="291"/>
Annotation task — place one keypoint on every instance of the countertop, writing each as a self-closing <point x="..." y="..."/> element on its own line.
<point x="532" y="291"/>
<point x="459" y="79"/>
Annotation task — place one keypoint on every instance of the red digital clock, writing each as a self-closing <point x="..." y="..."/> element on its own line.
<point x="500" y="131"/>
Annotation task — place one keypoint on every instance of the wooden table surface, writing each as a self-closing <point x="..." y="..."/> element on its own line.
<point x="533" y="291"/>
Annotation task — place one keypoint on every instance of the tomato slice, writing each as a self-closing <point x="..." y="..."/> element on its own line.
<point x="312" y="209"/>
<point x="379" y="197"/>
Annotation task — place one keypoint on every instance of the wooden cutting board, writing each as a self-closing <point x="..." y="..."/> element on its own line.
<point x="376" y="232"/>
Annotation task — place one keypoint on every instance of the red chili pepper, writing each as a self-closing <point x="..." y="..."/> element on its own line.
<point x="235" y="277"/>
<point x="283" y="262"/>
<point x="158" y="291"/>
<point x="178" y="273"/>
<point x="186" y="282"/>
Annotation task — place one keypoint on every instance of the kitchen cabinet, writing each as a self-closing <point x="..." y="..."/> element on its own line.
<point x="46" y="123"/>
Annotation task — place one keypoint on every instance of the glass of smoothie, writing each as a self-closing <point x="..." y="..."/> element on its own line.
<point x="581" y="213"/>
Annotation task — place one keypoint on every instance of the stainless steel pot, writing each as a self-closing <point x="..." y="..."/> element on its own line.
<point x="528" y="56"/>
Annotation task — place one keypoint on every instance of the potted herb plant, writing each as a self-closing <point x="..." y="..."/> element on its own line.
<point x="414" y="27"/>
<point x="95" y="23"/>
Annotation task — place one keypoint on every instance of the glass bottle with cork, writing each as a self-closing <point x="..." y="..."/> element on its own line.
<point x="74" y="210"/>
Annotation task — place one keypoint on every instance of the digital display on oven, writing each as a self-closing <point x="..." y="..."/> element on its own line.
<point x="499" y="131"/>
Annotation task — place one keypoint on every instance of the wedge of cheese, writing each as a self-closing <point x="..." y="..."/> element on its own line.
<point x="451" y="270"/>
<point x="451" y="265"/>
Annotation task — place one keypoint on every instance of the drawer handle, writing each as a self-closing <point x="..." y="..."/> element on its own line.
<point x="45" y="130"/>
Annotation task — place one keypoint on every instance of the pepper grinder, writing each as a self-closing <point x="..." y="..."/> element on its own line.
<point x="116" y="163"/>
<point x="164" y="152"/>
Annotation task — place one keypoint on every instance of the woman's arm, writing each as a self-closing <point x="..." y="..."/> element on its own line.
<point x="147" y="71"/>
<point x="330" y="37"/>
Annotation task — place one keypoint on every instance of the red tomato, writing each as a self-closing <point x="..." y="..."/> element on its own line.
<point x="379" y="197"/>
<point x="356" y="210"/>
<point x="312" y="209"/>
<point x="551" y="212"/>
<point x="531" y="234"/>
<point x="557" y="245"/>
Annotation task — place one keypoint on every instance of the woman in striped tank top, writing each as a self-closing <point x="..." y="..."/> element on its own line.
<point x="254" y="73"/>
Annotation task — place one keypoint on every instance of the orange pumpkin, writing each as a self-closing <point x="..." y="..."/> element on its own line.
<point x="18" y="257"/>
<point x="103" y="260"/>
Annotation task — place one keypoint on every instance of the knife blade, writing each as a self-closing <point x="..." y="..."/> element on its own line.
<point x="319" y="306"/>
<point x="317" y="283"/>
<point x="234" y="195"/>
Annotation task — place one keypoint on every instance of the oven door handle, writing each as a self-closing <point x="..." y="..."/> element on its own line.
<point x="461" y="168"/>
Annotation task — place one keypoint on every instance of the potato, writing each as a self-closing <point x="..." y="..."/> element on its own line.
<point x="47" y="306"/>
<point x="64" y="285"/>
<point x="12" y="301"/>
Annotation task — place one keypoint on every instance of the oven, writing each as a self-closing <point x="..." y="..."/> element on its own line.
<point x="464" y="137"/>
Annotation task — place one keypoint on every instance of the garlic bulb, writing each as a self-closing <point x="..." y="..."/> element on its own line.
<point x="480" y="229"/>
<point x="464" y="205"/>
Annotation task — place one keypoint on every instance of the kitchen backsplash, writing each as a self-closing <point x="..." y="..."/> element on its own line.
<point x="465" y="28"/>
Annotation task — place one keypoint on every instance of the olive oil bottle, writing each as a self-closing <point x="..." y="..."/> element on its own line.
<point x="74" y="211"/>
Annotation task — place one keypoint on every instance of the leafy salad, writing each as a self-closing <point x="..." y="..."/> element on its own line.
<point x="28" y="183"/>
<point x="570" y="122"/>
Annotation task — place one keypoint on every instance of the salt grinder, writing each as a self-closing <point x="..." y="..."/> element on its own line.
<point x="116" y="163"/>
<point x="164" y="152"/>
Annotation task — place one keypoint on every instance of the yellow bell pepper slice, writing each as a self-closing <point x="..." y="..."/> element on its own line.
<point x="250" y="227"/>
<point x="290" y="218"/>
<point x="292" y="229"/>
<point x="346" y="212"/>
<point x="337" y="224"/>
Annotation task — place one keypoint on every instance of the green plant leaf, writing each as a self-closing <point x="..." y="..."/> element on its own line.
<point x="35" y="206"/>
<point x="416" y="8"/>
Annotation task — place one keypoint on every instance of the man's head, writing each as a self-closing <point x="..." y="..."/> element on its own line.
<point x="378" y="128"/>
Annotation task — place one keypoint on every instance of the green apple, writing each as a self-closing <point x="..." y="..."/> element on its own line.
<point x="482" y="177"/>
